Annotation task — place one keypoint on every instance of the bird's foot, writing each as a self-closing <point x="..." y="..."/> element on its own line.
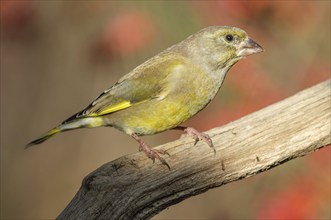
<point x="197" y="136"/>
<point x="150" y="152"/>
<point x="153" y="153"/>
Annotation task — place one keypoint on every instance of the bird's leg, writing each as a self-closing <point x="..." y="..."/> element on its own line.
<point x="196" y="135"/>
<point x="149" y="152"/>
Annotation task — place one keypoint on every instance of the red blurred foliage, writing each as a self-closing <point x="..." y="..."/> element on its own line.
<point x="314" y="75"/>
<point x="321" y="159"/>
<point x="306" y="197"/>
<point x="16" y="15"/>
<point x="128" y="33"/>
<point x="295" y="202"/>
<point x="246" y="9"/>
<point x="256" y="12"/>
<point x="233" y="13"/>
<point x="276" y="11"/>
<point x="253" y="85"/>
<point x="251" y="89"/>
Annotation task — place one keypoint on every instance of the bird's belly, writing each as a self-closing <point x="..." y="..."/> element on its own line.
<point x="155" y="116"/>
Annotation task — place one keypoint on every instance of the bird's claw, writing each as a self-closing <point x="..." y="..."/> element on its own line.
<point x="198" y="136"/>
<point x="154" y="154"/>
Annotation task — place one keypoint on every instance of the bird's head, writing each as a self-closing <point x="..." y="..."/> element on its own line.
<point x="223" y="46"/>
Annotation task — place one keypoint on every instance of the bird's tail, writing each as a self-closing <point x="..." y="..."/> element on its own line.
<point x="68" y="125"/>
<point x="44" y="137"/>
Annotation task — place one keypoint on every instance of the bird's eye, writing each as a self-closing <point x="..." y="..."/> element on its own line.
<point x="229" y="37"/>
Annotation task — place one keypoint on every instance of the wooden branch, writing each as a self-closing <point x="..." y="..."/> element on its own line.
<point x="131" y="187"/>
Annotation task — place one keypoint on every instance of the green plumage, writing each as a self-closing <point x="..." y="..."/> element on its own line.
<point x="169" y="88"/>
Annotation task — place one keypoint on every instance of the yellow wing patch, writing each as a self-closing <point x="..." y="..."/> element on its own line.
<point x="113" y="108"/>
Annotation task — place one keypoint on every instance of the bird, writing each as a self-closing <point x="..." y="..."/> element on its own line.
<point x="166" y="90"/>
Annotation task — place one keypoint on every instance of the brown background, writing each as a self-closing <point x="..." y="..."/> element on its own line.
<point x="58" y="56"/>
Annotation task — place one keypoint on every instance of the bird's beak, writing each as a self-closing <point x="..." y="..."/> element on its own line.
<point x="249" y="47"/>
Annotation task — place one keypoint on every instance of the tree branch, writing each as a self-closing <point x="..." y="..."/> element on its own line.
<point x="131" y="187"/>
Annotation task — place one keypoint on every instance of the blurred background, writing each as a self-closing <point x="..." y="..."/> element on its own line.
<point x="57" y="56"/>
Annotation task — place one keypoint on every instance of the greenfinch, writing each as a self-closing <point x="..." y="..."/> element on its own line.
<point x="167" y="89"/>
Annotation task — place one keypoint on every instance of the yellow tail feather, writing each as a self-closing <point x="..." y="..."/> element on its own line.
<point x="90" y="122"/>
<point x="44" y="137"/>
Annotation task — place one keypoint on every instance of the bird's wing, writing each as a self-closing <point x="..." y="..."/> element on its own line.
<point x="148" y="81"/>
